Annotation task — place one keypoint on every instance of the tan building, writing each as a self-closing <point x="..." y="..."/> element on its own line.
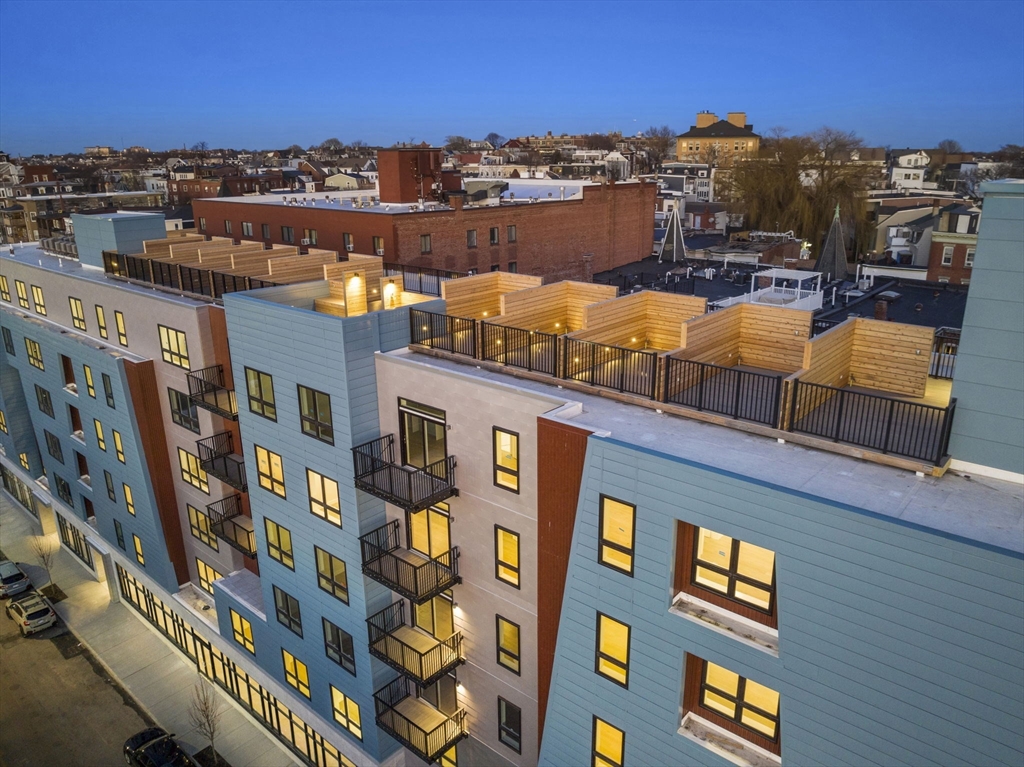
<point x="718" y="141"/>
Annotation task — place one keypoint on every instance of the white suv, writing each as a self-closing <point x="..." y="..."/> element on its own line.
<point x="32" y="613"/>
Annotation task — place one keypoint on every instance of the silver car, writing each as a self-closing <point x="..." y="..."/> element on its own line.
<point x="32" y="613"/>
<point x="12" y="579"/>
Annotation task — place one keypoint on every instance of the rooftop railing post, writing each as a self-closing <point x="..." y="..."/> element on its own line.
<point x="738" y="380"/>
<point x="700" y="389"/>
<point x="888" y="426"/>
<point x="778" y="401"/>
<point x="839" y="415"/>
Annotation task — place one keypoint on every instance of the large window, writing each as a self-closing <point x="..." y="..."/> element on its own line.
<point x="315" y="414"/>
<point x="192" y="472"/>
<point x="122" y="331"/>
<point x="346" y="712"/>
<point x="22" y="294"/>
<point x="77" y="313"/>
<point x="510" y="725"/>
<point x="339" y="647"/>
<point x="199" y="524"/>
<point x="609" y="745"/>
<point x="44" y="401"/>
<point x="287" y="608"/>
<point x="35" y="354"/>
<point x="37" y="298"/>
<point x="506" y="556"/>
<point x="332" y="575"/>
<point x="740" y="705"/>
<point x="295" y="673"/>
<point x="207" y="575"/>
<point x="241" y="630"/>
<point x="183" y="410"/>
<point x="617" y="526"/>
<point x="735" y="568"/>
<point x="506" y="459"/>
<point x="270" y="470"/>
<point x="508" y="644"/>
<point x="279" y="543"/>
<point x="612" y="661"/>
<point x="324" y="500"/>
<point x="173" y="346"/>
<point x="260" y="387"/>
<point x="53" y="446"/>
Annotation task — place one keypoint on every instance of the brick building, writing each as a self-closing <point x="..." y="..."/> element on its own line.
<point x="183" y="191"/>
<point x="954" y="242"/>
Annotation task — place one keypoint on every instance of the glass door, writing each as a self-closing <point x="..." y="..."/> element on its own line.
<point x="435" y="616"/>
<point x="429" y="531"/>
<point x="423" y="434"/>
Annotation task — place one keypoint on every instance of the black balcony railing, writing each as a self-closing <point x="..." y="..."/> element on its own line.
<point x="410" y="651"/>
<point x="204" y="282"/>
<point x="632" y="371"/>
<point x="728" y="391"/>
<point x="397" y="710"/>
<point x="526" y="349"/>
<point x="230" y="525"/>
<point x="421" y="279"/>
<point x="413" y="576"/>
<point x="873" y="421"/>
<point x="206" y="389"/>
<point x="217" y="456"/>
<point x="441" y="331"/>
<point x="944" y="351"/>
<point x="406" y="486"/>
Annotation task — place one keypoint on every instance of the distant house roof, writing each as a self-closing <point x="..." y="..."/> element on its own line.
<point x="720" y="129"/>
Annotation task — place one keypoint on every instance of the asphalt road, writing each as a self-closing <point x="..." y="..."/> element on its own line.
<point x="58" y="707"/>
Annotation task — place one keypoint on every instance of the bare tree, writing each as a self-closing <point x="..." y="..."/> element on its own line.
<point x="456" y="143"/>
<point x="200" y="146"/>
<point x="45" y="552"/>
<point x="358" y="144"/>
<point x="332" y="145"/>
<point x="600" y="141"/>
<point x="495" y="139"/>
<point x="659" y="141"/>
<point x="295" y="150"/>
<point x="204" y="713"/>
<point x="950" y="146"/>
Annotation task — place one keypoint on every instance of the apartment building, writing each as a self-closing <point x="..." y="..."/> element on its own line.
<point x="716" y="141"/>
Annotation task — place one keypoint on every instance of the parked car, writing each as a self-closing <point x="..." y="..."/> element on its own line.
<point x="32" y="612"/>
<point x="155" y="747"/>
<point x="12" y="579"/>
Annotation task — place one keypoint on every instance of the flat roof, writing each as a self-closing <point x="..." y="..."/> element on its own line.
<point x="980" y="509"/>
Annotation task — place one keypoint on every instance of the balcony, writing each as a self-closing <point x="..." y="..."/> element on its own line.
<point x="419" y="727"/>
<point x="416" y="654"/>
<point x="409" y="487"/>
<point x="232" y="526"/>
<point x="403" y="571"/>
<point x="206" y="389"/>
<point x="217" y="456"/>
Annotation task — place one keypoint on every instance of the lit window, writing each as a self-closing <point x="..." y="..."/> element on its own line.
<point x="5" y="288"/>
<point x="22" y="294"/>
<point x="510" y="725"/>
<point x="118" y="447"/>
<point x="346" y="239"/>
<point x="260" y="387"/>
<point x="506" y="556"/>
<point x="192" y="471"/>
<point x="35" y="354"/>
<point x="101" y="321"/>
<point x="37" y="298"/>
<point x="138" y="550"/>
<point x="506" y="459"/>
<point x="3" y="423"/>
<point x="309" y="235"/>
<point x="734" y="568"/>
<point x="122" y="332"/>
<point x="615" y="548"/>
<point x="101" y="440"/>
<point x="346" y="712"/>
<point x="90" y="385"/>
<point x="315" y="414"/>
<point x="241" y="630"/>
<point x="508" y="644"/>
<point x="199" y="524"/>
<point x="207" y="575"/>
<point x="77" y="313"/>
<point x="324" y="500"/>
<point x="332" y="575"/>
<point x="23" y="459"/>
<point x="339" y="647"/>
<point x="612" y="660"/>
<point x="129" y="499"/>
<point x="288" y="612"/>
<point x="173" y="346"/>
<point x="609" y="744"/>
<point x="270" y="470"/>
<point x="726" y="698"/>
<point x="279" y="543"/>
<point x="295" y="673"/>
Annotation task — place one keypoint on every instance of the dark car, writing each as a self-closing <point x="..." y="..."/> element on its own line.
<point x="12" y="579"/>
<point x="155" y="747"/>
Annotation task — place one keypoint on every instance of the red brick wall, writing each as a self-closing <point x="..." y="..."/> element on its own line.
<point x="956" y="272"/>
<point x="406" y="175"/>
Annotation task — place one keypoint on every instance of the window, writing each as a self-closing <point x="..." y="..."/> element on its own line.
<point x="295" y="673"/>
<point x="338" y="646"/>
<point x="735" y="569"/>
<point x="207" y="575"/>
<point x="227" y="227"/>
<point x="969" y="258"/>
<point x="109" y="480"/>
<point x="118" y="447"/>
<point x="346" y="239"/>
<point x="279" y="543"/>
<point x="199" y="524"/>
<point x="119" y="533"/>
<point x="192" y="471"/>
<point x="270" y="470"/>
<point x="471" y="238"/>
<point x="346" y="712"/>
<point x="241" y="630"/>
<point x="740" y="705"/>
<point x="615" y="547"/>
<point x="22" y="294"/>
<point x="508" y="644"/>
<point x="247" y="228"/>
<point x="506" y="556"/>
<point x="609" y="745"/>
<point x="23" y="458"/>
<point x="947" y="255"/>
<point x="265" y="229"/>
<point x="129" y="499"/>
<point x="44" y="401"/>
<point x="506" y="459"/>
<point x="332" y="575"/>
<point x="108" y="390"/>
<point x="173" y="346"/>
<point x="287" y="608"/>
<point x="8" y="342"/>
<point x="37" y="298"/>
<point x="510" y="232"/>
<point x="425" y="243"/>
<point x="101" y="441"/>
<point x="90" y="384"/>
<point x="612" y="660"/>
<point x="202" y="220"/>
<point x="315" y="414"/>
<point x="77" y="312"/>
<point x="324" y="500"/>
<point x="513" y="267"/>
<point x="101" y="321"/>
<point x="287" y="234"/>
<point x="378" y="246"/>
<point x="183" y="410"/>
<point x="3" y="423"/>
<point x="53" y="446"/>
<point x="495" y="267"/>
<point x="5" y="288"/>
<point x="35" y="354"/>
<point x="494" y="235"/>
<point x="510" y="725"/>
<point x="122" y="333"/>
<point x="309" y="235"/>
<point x="261" y="393"/>
<point x="138" y="550"/>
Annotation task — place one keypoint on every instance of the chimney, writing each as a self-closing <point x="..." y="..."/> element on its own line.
<point x="457" y="200"/>
<point x="881" y="310"/>
<point x="739" y="119"/>
<point x="704" y="119"/>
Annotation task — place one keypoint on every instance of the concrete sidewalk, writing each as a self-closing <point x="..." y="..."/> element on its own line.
<point x="156" y="674"/>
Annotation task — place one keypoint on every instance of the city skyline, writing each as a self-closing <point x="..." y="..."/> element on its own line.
<point x="561" y="73"/>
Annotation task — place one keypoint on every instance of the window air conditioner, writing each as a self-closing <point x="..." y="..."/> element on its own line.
<point x="350" y="248"/>
<point x="380" y="251"/>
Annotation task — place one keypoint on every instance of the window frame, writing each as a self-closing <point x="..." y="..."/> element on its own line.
<point x="517" y="656"/>
<point x="38" y="301"/>
<point x="199" y="526"/>
<point x="288" y="234"/>
<point x="279" y="550"/>
<point x="187" y="420"/>
<point x="8" y="341"/>
<point x="44" y="401"/>
<point x="174" y="346"/>
<point x="101" y="320"/>
<point x="969" y="256"/>
<point x="118" y="445"/>
<point x="122" y="328"/>
<point x="267" y="480"/>
<point x="947" y="254"/>
<point x="311" y="425"/>
<point x="35" y="354"/>
<point x="347" y="662"/>
<point x="732" y="573"/>
<point x="603" y="542"/>
<point x="498" y="563"/>
<point x="599" y="655"/>
<point x="494" y="236"/>
<point x="599" y="759"/>
<point x="5" y="288"/>
<point x="108" y="391"/>
<point x="328" y="511"/>
<point x="192" y="470"/>
<point x="53" y="446"/>
<point x="265" y="231"/>
<point x="345" y="718"/>
<point x="101" y="439"/>
<point x="203" y="573"/>
<point x="471" y="238"/>
<point x="77" y="313"/>
<point x="426" y="244"/>
<point x="119" y="534"/>
<point x="503" y="727"/>
<point x="695" y="686"/>
<point x="108" y="480"/>
<point x="241" y="631"/>
<point x="284" y="611"/>
<point x="338" y="589"/>
<point x="300" y="681"/>
<point x="139" y="554"/>
<point x="511" y="234"/>
<point x="22" y="292"/>
<point x="499" y="469"/>
<point x="90" y="382"/>
<point x="129" y="498"/>
<point x="260" y="397"/>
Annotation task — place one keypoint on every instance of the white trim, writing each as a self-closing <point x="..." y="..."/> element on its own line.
<point x="964" y="467"/>
<point x="726" y="622"/>
<point x="727" y="745"/>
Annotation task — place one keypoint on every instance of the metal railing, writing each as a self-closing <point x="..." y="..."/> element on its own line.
<point x="526" y="349"/>
<point x="203" y="282"/>
<point x="886" y="424"/>
<point x="206" y="389"/>
<point x="423" y="666"/>
<point x="226" y="522"/>
<point x="418" y="582"/>
<point x="611" y="367"/>
<point x="217" y="457"/>
<point x="819" y="326"/>
<point x="428" y="744"/>
<point x="409" y="487"/>
<point x="442" y="331"/>
<point x="944" y="351"/>
<point x="725" y="390"/>
<point x="421" y="279"/>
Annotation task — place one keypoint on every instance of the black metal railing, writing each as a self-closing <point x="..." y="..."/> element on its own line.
<point x="442" y="331"/>
<point x="432" y="659"/>
<point x="409" y="487"/>
<point x="886" y="424"/>
<point x="428" y="744"/>
<point x="526" y="349"/>
<point x="944" y="351"/>
<point x="414" y="577"/>
<point x="232" y="526"/>
<point x="819" y="326"/>
<point x="206" y="389"/>
<point x="611" y="367"/>
<point x="728" y="391"/>
<point x="217" y="457"/>
<point x="421" y="279"/>
<point x="203" y="282"/>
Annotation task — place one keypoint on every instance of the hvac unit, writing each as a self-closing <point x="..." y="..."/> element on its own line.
<point x="350" y="248"/>
<point x="305" y="241"/>
<point x="380" y="251"/>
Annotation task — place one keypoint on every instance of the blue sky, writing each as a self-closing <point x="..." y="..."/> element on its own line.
<point x="263" y="74"/>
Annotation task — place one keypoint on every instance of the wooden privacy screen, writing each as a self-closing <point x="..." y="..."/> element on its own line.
<point x="479" y="297"/>
<point x="767" y="337"/>
<point x="654" y="319"/>
<point x="557" y="308"/>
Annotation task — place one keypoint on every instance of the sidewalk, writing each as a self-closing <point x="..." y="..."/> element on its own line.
<point x="157" y="675"/>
